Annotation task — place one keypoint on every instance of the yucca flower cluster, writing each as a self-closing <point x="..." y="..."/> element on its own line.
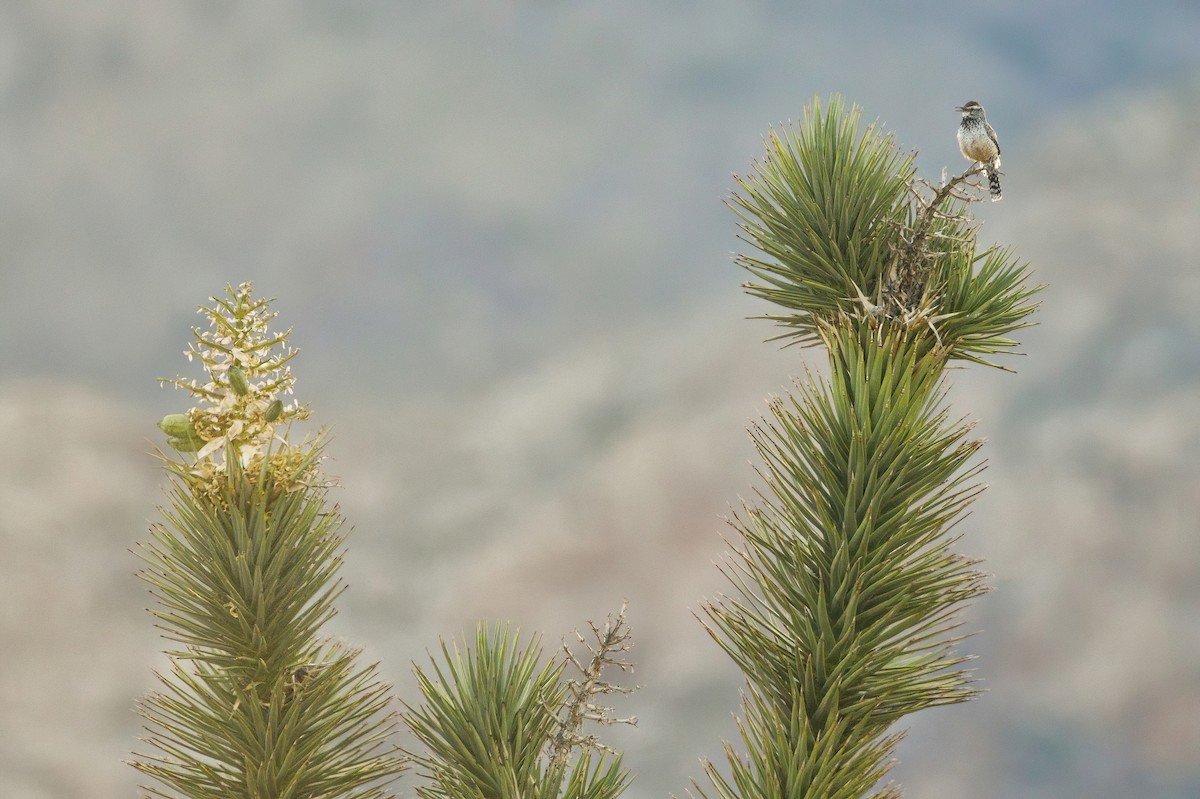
<point x="241" y="403"/>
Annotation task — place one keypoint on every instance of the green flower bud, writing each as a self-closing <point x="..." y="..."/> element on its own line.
<point x="274" y="410"/>
<point x="177" y="425"/>
<point x="186" y="443"/>
<point x="237" y="381"/>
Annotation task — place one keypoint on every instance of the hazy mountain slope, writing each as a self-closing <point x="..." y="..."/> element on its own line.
<point x="448" y="191"/>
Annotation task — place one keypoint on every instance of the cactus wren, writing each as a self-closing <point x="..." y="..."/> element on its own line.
<point x="978" y="142"/>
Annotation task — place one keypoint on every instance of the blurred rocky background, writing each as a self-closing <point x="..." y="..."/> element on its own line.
<point x="497" y="228"/>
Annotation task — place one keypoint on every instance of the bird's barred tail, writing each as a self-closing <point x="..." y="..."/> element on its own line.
<point x="994" y="184"/>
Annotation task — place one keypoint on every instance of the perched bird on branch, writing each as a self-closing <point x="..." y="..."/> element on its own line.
<point x="978" y="142"/>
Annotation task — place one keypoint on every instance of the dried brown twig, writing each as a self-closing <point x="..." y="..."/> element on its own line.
<point x="903" y="294"/>
<point x="610" y="644"/>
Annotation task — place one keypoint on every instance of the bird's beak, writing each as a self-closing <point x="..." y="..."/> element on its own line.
<point x="960" y="108"/>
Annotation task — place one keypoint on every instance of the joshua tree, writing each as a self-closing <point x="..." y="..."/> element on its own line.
<point x="243" y="568"/>
<point x="845" y="587"/>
